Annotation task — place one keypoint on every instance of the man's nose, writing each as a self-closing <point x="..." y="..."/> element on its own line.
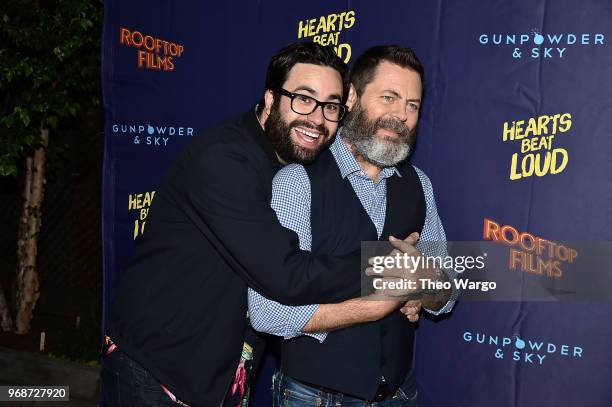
<point x="317" y="117"/>
<point x="400" y="112"/>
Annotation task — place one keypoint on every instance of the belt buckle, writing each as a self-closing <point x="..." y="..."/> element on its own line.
<point x="382" y="392"/>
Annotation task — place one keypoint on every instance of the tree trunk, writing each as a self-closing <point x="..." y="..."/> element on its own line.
<point x="27" y="244"/>
<point x="6" y="322"/>
<point x="22" y="239"/>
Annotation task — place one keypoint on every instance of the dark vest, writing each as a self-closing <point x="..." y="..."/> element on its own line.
<point x="353" y="360"/>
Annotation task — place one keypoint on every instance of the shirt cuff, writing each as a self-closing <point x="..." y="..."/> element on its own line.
<point x="297" y="320"/>
<point x="319" y="336"/>
<point x="451" y="275"/>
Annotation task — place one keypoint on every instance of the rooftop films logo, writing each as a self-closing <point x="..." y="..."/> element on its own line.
<point x="153" y="53"/>
<point x="522" y="350"/>
<point x="536" y="44"/>
<point x="530" y="253"/>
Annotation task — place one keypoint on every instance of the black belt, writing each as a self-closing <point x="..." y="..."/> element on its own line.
<point x="382" y="392"/>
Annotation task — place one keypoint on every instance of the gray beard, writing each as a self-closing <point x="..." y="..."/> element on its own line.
<point x="381" y="153"/>
<point x="361" y="134"/>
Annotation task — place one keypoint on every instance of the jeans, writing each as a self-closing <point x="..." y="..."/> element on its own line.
<point x="287" y="392"/>
<point x="125" y="383"/>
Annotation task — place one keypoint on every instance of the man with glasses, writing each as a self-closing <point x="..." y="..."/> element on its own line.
<point x="361" y="189"/>
<point x="177" y="326"/>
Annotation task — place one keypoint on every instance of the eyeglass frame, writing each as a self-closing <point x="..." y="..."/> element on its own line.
<point x="293" y="95"/>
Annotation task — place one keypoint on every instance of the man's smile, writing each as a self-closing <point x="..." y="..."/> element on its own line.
<point x="308" y="136"/>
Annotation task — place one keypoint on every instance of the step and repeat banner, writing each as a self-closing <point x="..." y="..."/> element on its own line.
<point x="514" y="134"/>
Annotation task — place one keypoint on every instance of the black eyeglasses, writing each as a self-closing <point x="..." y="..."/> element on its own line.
<point x="303" y="104"/>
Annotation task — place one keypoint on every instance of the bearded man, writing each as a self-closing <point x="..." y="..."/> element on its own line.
<point x="176" y="332"/>
<point x="361" y="189"/>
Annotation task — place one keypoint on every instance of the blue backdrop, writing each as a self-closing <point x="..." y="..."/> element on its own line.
<point x="514" y="129"/>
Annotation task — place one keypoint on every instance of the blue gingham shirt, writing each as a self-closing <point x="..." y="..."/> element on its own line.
<point x="291" y="201"/>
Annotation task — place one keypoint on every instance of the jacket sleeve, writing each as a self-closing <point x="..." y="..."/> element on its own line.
<point x="228" y="201"/>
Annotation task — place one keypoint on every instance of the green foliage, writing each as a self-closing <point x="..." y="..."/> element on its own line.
<point x="80" y="344"/>
<point x="49" y="69"/>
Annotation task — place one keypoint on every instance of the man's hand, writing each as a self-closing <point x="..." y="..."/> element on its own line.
<point x="432" y="300"/>
<point x="411" y="310"/>
<point x="399" y="268"/>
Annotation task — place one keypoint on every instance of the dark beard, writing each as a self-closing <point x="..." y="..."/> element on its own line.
<point x="360" y="132"/>
<point x="278" y="132"/>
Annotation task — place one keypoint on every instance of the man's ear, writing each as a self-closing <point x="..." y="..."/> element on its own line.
<point x="268" y="101"/>
<point x="352" y="97"/>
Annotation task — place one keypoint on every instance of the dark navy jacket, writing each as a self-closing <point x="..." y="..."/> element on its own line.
<point x="180" y="304"/>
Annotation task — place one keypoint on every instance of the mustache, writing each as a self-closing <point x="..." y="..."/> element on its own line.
<point x="302" y="123"/>
<point x="392" y="124"/>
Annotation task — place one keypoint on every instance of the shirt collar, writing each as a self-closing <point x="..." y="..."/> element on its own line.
<point x="347" y="162"/>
